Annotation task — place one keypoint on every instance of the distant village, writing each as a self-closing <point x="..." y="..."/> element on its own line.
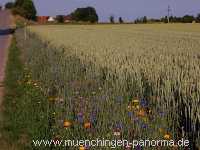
<point x="51" y="19"/>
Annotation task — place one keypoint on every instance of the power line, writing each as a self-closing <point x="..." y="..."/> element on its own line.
<point x="169" y="10"/>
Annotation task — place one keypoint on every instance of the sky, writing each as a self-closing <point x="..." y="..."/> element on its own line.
<point x="127" y="9"/>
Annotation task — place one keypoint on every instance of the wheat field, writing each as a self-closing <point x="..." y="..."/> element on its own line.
<point x="156" y="62"/>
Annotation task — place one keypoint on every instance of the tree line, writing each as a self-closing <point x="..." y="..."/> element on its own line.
<point x="166" y="19"/>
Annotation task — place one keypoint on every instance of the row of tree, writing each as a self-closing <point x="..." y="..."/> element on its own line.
<point x="172" y="19"/>
<point x="184" y="19"/>
<point x="24" y="8"/>
<point x="112" y="19"/>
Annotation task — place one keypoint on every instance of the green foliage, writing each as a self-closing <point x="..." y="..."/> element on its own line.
<point x="141" y="20"/>
<point x="144" y="19"/>
<point x="120" y="20"/>
<point x="26" y="9"/>
<point x="198" y="18"/>
<point x="30" y="11"/>
<point x="172" y="19"/>
<point x="87" y="14"/>
<point x="112" y="19"/>
<point x="20" y="23"/>
<point x="188" y="19"/>
<point x="19" y="3"/>
<point x="60" y="18"/>
<point x="25" y="105"/>
<point x="165" y="19"/>
<point x="18" y="11"/>
<point x="9" y="5"/>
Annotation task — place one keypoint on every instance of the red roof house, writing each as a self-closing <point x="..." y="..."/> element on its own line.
<point x="42" y="19"/>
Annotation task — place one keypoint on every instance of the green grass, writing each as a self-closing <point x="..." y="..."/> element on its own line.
<point x="25" y="105"/>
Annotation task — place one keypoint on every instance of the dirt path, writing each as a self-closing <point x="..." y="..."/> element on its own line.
<point x="6" y="21"/>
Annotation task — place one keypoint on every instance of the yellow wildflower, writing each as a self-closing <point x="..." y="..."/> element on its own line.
<point x="167" y="137"/>
<point x="81" y="147"/>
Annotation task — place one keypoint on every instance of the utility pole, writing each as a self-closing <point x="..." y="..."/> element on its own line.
<point x="168" y="13"/>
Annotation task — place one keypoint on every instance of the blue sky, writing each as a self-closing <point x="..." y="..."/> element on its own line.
<point x="128" y="9"/>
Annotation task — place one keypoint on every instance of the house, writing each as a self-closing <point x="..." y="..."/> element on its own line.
<point x="51" y="19"/>
<point x="42" y="19"/>
<point x="67" y="18"/>
<point x="193" y="21"/>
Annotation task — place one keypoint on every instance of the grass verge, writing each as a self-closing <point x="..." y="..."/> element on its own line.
<point x="25" y="115"/>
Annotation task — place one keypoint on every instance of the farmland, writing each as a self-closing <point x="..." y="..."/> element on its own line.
<point x="117" y="81"/>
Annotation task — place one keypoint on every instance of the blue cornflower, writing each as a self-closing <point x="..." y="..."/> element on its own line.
<point x="80" y="117"/>
<point x="130" y="114"/>
<point x="143" y="102"/>
<point x="144" y="126"/>
<point x="93" y="118"/>
<point x="136" y="120"/>
<point x="161" y="114"/>
<point x="138" y="147"/>
<point x="119" y="125"/>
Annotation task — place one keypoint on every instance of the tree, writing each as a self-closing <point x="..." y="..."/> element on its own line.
<point x="137" y="21"/>
<point x="198" y="18"/>
<point x="173" y="19"/>
<point x="60" y="18"/>
<point x="9" y="5"/>
<point x="25" y="8"/>
<point x="165" y="19"/>
<point x="30" y="10"/>
<point x="19" y="3"/>
<point x="112" y="19"/>
<point x="188" y="19"/>
<point x="85" y="14"/>
<point x="144" y="19"/>
<point x="121" y="20"/>
<point x="141" y="20"/>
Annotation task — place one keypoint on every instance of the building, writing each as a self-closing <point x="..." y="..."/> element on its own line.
<point x="67" y="18"/>
<point x="42" y="19"/>
<point x="51" y="19"/>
